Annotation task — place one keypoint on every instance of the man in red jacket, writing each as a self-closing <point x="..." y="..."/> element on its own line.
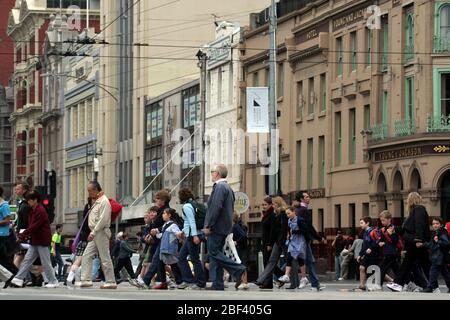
<point x="40" y="233"/>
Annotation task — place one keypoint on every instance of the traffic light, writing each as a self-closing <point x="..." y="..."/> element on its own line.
<point x="49" y="205"/>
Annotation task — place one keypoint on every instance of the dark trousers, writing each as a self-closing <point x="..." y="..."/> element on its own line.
<point x="266" y="256"/>
<point x="126" y="262"/>
<point x="389" y="262"/>
<point x="434" y="274"/>
<point x="271" y="268"/>
<point x="413" y="255"/>
<point x="155" y="267"/>
<point x="218" y="261"/>
<point x="193" y="250"/>
<point x="57" y="260"/>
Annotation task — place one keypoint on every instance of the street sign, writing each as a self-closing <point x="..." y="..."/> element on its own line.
<point x="241" y="202"/>
<point x="258" y="110"/>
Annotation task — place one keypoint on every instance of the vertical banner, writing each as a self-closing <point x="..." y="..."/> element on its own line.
<point x="258" y="110"/>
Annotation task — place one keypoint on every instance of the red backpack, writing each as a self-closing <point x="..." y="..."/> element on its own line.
<point x="116" y="208"/>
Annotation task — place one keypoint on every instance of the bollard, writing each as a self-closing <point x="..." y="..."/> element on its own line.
<point x="260" y="263"/>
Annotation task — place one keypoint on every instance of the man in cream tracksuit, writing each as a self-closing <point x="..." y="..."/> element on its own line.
<point x="99" y="222"/>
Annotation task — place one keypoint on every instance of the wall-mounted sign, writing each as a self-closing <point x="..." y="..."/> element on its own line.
<point x="241" y="202"/>
<point x="219" y="52"/>
<point x="258" y="110"/>
<point x="349" y="18"/>
<point x="311" y="33"/>
<point x="316" y="193"/>
<point x="411" y="152"/>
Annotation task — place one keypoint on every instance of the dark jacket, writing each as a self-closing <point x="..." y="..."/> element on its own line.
<point x="439" y="251"/>
<point x="416" y="227"/>
<point x="279" y="230"/>
<point x="85" y="231"/>
<point x="240" y="235"/>
<point x="125" y="250"/>
<point x="306" y="214"/>
<point x="369" y="243"/>
<point x="267" y="225"/>
<point x="390" y="242"/>
<point x="115" y="251"/>
<point x="159" y="221"/>
<point x="23" y="215"/>
<point x="38" y="228"/>
<point x="219" y="217"/>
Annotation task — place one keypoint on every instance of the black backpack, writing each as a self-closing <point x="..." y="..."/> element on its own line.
<point x="200" y="214"/>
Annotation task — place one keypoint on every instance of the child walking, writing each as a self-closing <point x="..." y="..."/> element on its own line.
<point x="391" y="245"/>
<point x="296" y="243"/>
<point x="439" y="255"/>
<point x="369" y="254"/>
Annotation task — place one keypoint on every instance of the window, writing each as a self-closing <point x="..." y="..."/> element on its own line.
<point x="256" y="79"/>
<point x="353" y="45"/>
<point x="298" y="165"/>
<point x="266" y="79"/>
<point x="409" y="43"/>
<point x="368" y="46"/>
<point x="322" y="162"/>
<point x="280" y="80"/>
<point x="442" y="31"/>
<point x="321" y="221"/>
<point x="352" y="136"/>
<point x="338" y="217"/>
<point x="89" y="116"/>
<point x="385" y="42"/>
<point x="155" y="164"/>
<point x="219" y="88"/>
<point x="254" y="174"/>
<point x="338" y="134"/>
<point x="352" y="213"/>
<point x="154" y="121"/>
<point x="230" y="84"/>
<point x="323" y="92"/>
<point x="367" y="117"/>
<point x="445" y="94"/>
<point x="191" y="106"/>
<point x="74" y="110"/>
<point x="409" y="99"/>
<point x="339" y="56"/>
<point x="365" y="209"/>
<point x="310" y="163"/>
<point x="82" y="121"/>
<point x="311" y="96"/>
<point x="384" y="116"/>
<point x="300" y="99"/>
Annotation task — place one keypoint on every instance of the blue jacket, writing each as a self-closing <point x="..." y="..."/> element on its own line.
<point x="189" y="227"/>
<point x="439" y="251"/>
<point x="219" y="217"/>
<point x="169" y="240"/>
<point x="4" y="213"/>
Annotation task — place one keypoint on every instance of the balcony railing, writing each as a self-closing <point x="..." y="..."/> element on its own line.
<point x="441" y="44"/>
<point x="379" y="132"/>
<point x="405" y="127"/>
<point x="409" y="53"/>
<point x="439" y="123"/>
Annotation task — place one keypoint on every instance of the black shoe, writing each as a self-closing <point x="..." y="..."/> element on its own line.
<point x="266" y="286"/>
<point x="8" y="282"/>
<point x="427" y="290"/>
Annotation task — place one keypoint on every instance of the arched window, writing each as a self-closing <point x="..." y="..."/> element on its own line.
<point x="409" y="50"/>
<point x="445" y="23"/>
<point x="442" y="43"/>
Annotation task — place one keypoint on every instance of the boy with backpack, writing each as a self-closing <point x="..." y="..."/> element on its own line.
<point x="439" y="256"/>
<point x="369" y="254"/>
<point x="391" y="245"/>
<point x="194" y="218"/>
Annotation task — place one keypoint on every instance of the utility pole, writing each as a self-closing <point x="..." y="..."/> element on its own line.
<point x="273" y="179"/>
<point x="202" y="57"/>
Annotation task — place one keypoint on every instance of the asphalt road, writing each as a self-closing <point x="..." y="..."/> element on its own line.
<point x="333" y="291"/>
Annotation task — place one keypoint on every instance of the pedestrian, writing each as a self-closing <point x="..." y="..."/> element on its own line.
<point x="7" y="243"/>
<point x="98" y="240"/>
<point x="391" y="245"/>
<point x="56" y="250"/>
<point x="40" y="233"/>
<point x="439" y="256"/>
<point x="338" y="245"/>
<point x="346" y="255"/>
<point x="303" y="210"/>
<point x="23" y="214"/>
<point x="416" y="232"/>
<point x="354" y="251"/>
<point x="218" y="225"/>
<point x="84" y="231"/>
<point x="150" y="247"/>
<point x="162" y="199"/>
<point x="268" y="219"/>
<point x="115" y="251"/>
<point x="277" y="245"/>
<point x="191" y="244"/>
<point x="124" y="259"/>
<point x="240" y="238"/>
<point x="370" y="251"/>
<point x="296" y="243"/>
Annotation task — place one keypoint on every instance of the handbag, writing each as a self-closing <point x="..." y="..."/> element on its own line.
<point x="78" y="236"/>
<point x="229" y="249"/>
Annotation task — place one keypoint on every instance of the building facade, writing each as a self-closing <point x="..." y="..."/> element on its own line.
<point x="6" y="107"/>
<point x="363" y="118"/>
<point x="6" y="45"/>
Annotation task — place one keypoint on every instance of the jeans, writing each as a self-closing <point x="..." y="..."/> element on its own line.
<point x="337" y="266"/>
<point x="434" y="274"/>
<point x="95" y="268"/>
<point x="218" y="261"/>
<point x="271" y="267"/>
<point x="193" y="250"/>
<point x="32" y="254"/>
<point x="126" y="262"/>
<point x="57" y="260"/>
<point x="310" y="266"/>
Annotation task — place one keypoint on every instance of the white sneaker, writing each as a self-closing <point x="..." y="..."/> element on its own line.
<point x="284" y="279"/>
<point x="52" y="285"/>
<point x="243" y="286"/>
<point x="394" y="287"/>
<point x="171" y="284"/>
<point x="17" y="282"/>
<point x="140" y="281"/>
<point x="341" y="279"/>
<point x="303" y="283"/>
<point x="437" y="291"/>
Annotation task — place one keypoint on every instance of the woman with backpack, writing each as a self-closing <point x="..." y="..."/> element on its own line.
<point x="191" y="244"/>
